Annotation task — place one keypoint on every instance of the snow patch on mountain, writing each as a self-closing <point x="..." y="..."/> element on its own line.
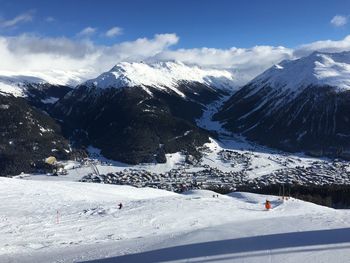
<point x="7" y="89"/>
<point x="161" y="75"/>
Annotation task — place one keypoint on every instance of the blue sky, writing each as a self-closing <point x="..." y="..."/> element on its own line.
<point x="199" y="23"/>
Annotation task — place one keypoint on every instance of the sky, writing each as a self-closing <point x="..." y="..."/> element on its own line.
<point x="89" y="37"/>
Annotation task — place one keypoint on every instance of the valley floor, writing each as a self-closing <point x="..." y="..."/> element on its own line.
<point x="64" y="221"/>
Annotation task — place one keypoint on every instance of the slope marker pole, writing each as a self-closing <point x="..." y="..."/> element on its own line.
<point x="57" y="217"/>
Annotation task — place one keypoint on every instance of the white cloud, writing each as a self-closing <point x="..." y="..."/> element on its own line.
<point x="323" y="46"/>
<point x="87" y="31"/>
<point x="41" y="53"/>
<point x="22" y="18"/>
<point x="30" y="53"/>
<point x="114" y="31"/>
<point x="339" y="20"/>
<point x="245" y="62"/>
<point x="81" y="57"/>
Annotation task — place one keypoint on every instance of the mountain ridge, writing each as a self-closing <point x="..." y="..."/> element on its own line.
<point x="143" y="110"/>
<point x="297" y="105"/>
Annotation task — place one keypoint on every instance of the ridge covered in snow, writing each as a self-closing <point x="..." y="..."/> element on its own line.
<point x="319" y="69"/>
<point x="15" y="83"/>
<point x="161" y="75"/>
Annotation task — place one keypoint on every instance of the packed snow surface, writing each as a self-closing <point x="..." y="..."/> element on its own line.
<point x="46" y="221"/>
<point x="161" y="75"/>
<point x="318" y="69"/>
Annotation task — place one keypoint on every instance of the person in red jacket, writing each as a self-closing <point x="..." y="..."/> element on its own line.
<point x="267" y="205"/>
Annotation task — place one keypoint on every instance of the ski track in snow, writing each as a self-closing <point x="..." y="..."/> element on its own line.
<point x="156" y="225"/>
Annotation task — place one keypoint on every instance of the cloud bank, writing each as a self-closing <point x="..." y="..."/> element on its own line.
<point x="83" y="59"/>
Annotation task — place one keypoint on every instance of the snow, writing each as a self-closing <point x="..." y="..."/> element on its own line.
<point x="14" y="90"/>
<point x="50" y="100"/>
<point x="318" y="69"/>
<point x="173" y="160"/>
<point x="42" y="129"/>
<point x="206" y="120"/>
<point x="15" y="83"/>
<point x="161" y="75"/>
<point x="45" y="221"/>
<point x="263" y="161"/>
<point x="54" y="77"/>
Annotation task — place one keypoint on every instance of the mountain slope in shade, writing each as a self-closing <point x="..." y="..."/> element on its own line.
<point x="28" y="134"/>
<point x="27" y="137"/>
<point x="296" y="105"/>
<point x="137" y="112"/>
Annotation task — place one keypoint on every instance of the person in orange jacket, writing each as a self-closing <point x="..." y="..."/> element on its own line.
<point x="267" y="205"/>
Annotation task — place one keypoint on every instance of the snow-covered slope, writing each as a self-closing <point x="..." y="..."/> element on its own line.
<point x="53" y="77"/>
<point x="317" y="69"/>
<point x="30" y="83"/>
<point x="17" y="85"/>
<point x="161" y="75"/>
<point x="44" y="221"/>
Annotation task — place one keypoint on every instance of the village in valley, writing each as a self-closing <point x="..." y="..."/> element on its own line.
<point x="233" y="169"/>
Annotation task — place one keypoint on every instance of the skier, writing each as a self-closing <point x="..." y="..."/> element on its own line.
<point x="267" y="205"/>
<point x="120" y="206"/>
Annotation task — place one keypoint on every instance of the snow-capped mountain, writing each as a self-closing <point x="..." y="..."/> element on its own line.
<point x="318" y="69"/>
<point x="15" y="82"/>
<point x="300" y="104"/>
<point x="39" y="92"/>
<point x="137" y="112"/>
<point x="161" y="75"/>
<point x="17" y="85"/>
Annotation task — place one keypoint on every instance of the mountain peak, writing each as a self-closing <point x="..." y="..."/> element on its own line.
<point x="165" y="74"/>
<point x="318" y="69"/>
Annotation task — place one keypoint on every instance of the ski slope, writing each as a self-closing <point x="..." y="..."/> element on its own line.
<point x="64" y="221"/>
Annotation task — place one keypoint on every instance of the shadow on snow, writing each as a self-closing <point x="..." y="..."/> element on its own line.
<point x="250" y="245"/>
